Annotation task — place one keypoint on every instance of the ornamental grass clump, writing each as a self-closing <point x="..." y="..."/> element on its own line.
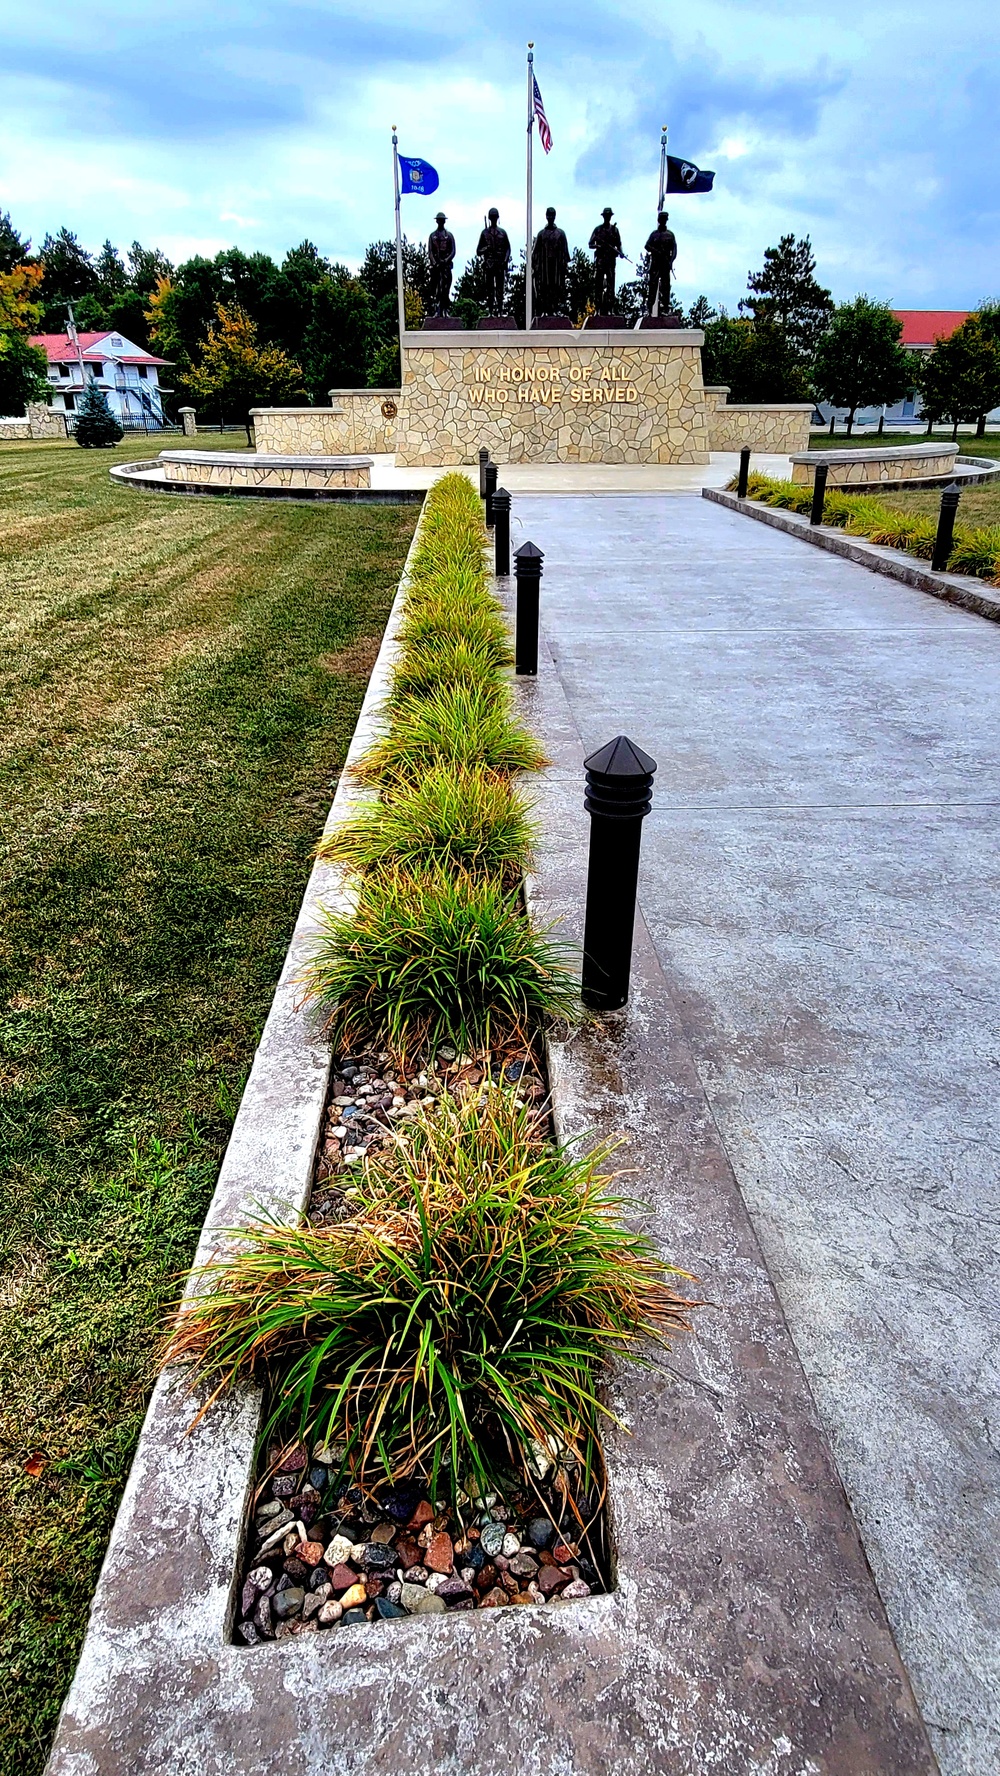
<point x="448" y="660"/>
<point x="471" y="821"/>
<point x="464" y="726"/>
<point x="433" y="958"/>
<point x="464" y="1313"/>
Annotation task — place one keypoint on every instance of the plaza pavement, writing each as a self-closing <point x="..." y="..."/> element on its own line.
<point x="585" y="478"/>
<point x="820" y="883"/>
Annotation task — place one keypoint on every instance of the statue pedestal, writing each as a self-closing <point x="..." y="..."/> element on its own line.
<point x="661" y="321"/>
<point x="552" y="324"/>
<point x="442" y="324"/>
<point x="605" y="322"/>
<point x="498" y="324"/>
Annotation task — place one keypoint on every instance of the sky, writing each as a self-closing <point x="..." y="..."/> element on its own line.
<point x="872" y="128"/>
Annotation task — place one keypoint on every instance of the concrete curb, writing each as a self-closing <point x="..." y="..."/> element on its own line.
<point x="961" y="589"/>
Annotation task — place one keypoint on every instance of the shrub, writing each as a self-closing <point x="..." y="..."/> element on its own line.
<point x="432" y="958"/>
<point x="461" y="820"/>
<point x="467" y="726"/>
<point x="467" y="1308"/>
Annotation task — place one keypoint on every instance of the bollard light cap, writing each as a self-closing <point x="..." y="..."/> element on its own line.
<point x="620" y="758"/>
<point x="529" y="552"/>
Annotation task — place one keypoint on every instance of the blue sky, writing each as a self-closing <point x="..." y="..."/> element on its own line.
<point x="873" y="128"/>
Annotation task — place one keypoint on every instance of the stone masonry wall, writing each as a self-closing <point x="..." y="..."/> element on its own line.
<point x="594" y="396"/>
<point x="865" y="468"/>
<point x="358" y="422"/>
<point x="39" y="421"/>
<point x="777" y="428"/>
<point x="222" y="469"/>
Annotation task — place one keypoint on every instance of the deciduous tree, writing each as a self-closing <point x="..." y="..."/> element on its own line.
<point x="236" y="371"/>
<point x="860" y="361"/>
<point x="22" y="366"/>
<point x="960" y="380"/>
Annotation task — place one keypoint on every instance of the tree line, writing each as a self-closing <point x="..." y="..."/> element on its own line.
<point x="241" y="329"/>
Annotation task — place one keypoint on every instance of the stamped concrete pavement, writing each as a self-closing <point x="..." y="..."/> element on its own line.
<point x="820" y="880"/>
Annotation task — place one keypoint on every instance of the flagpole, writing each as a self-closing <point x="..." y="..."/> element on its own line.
<point x="527" y="255"/>
<point x="399" y="251"/>
<point x="660" y="196"/>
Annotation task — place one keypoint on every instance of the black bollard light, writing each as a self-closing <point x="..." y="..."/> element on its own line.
<point x="501" y="532"/>
<point x="946" y="529"/>
<point x="744" y="475"/>
<point x="484" y="457"/>
<point x="819" y="492"/>
<point x="490" y="477"/>
<point x="527" y="575"/>
<point x="618" y="798"/>
<point x="833" y="424"/>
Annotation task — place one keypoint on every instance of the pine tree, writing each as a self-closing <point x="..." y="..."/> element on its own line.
<point x="785" y="293"/>
<point x="96" y="425"/>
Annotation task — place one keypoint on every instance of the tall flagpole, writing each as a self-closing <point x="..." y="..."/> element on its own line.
<point x="399" y="251"/>
<point x="527" y="255"/>
<point x="661" y="195"/>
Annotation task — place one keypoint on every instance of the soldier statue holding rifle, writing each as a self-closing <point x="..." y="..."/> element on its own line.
<point x="494" y="251"/>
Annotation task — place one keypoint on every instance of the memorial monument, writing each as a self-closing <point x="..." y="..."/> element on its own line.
<point x="441" y="253"/>
<point x="662" y="250"/>
<point x="549" y="265"/>
<point x="494" y="252"/>
<point x="606" y="246"/>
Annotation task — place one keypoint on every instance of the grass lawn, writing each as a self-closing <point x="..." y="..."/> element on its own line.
<point x="978" y="505"/>
<point x="967" y="444"/>
<point x="180" y="682"/>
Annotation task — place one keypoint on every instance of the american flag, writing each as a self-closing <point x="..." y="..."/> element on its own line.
<point x="544" y="133"/>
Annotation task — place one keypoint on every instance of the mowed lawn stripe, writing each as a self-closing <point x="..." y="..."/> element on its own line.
<point x="176" y="712"/>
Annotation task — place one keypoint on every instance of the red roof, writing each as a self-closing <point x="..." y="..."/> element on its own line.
<point x="922" y="326"/>
<point x="59" y="349"/>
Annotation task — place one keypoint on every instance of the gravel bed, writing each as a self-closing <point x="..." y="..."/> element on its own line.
<point x="324" y="1554"/>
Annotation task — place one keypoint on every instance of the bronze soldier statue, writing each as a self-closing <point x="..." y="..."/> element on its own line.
<point x="494" y="251"/>
<point x="662" y="249"/>
<point x="441" y="253"/>
<point x="549" y="265"/>
<point x="606" y="246"/>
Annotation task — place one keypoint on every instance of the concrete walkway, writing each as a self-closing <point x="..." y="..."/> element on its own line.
<point x="820" y="879"/>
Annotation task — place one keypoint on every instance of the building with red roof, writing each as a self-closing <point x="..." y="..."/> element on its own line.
<point x="923" y="327"/>
<point x="129" y="376"/>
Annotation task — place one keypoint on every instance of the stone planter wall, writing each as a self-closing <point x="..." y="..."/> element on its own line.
<point x="778" y="428"/>
<point x="236" y="469"/>
<point x="861" y="468"/>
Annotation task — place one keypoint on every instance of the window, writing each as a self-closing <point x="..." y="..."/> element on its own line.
<point x="69" y="402"/>
<point x="64" y="369"/>
<point x="116" y="343"/>
<point x="143" y="370"/>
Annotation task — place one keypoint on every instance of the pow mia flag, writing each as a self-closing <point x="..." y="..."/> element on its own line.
<point x="683" y="176"/>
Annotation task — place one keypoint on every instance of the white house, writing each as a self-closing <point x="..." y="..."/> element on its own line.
<point x="128" y="375"/>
